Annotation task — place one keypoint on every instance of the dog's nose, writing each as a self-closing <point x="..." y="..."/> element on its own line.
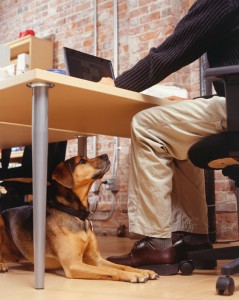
<point x="104" y="157"/>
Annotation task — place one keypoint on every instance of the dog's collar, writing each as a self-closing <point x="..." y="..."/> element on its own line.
<point x="82" y="215"/>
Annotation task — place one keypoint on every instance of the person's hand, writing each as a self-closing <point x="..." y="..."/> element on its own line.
<point x="107" y="81"/>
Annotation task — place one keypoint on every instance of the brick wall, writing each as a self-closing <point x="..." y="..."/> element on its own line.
<point x="226" y="196"/>
<point x="142" y="24"/>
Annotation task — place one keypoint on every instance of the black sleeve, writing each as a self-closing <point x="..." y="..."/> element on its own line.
<point x="192" y="37"/>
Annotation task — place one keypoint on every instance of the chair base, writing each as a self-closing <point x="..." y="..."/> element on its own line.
<point x="225" y="284"/>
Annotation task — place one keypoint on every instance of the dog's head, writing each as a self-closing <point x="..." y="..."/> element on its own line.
<point x="80" y="171"/>
<point x="74" y="178"/>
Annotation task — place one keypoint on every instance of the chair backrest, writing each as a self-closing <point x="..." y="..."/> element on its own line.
<point x="230" y="77"/>
<point x="221" y="151"/>
<point x="224" y="145"/>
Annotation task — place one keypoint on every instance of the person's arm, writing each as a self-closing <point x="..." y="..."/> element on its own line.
<point x="204" y="24"/>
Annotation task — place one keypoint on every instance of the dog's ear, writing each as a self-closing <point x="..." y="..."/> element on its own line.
<point x="63" y="175"/>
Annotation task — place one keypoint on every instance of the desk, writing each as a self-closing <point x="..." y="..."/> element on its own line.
<point x="62" y="107"/>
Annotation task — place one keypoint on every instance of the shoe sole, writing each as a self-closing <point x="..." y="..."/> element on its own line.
<point x="164" y="269"/>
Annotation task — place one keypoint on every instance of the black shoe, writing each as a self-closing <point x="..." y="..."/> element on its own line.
<point x="182" y="249"/>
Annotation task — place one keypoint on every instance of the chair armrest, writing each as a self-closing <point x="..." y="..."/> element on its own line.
<point x="230" y="76"/>
<point x="222" y="72"/>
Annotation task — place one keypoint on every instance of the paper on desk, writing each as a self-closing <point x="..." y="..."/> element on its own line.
<point x="166" y="91"/>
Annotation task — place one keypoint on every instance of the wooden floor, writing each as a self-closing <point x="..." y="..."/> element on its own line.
<point x="18" y="283"/>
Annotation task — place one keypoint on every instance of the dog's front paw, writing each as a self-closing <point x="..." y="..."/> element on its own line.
<point x="135" y="277"/>
<point x="3" y="268"/>
<point x="150" y="274"/>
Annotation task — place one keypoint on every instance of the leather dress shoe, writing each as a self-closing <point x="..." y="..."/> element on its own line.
<point x="144" y="256"/>
<point x="182" y="249"/>
<point x="163" y="261"/>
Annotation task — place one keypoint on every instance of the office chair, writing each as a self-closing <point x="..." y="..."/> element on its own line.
<point x="221" y="151"/>
<point x="17" y="181"/>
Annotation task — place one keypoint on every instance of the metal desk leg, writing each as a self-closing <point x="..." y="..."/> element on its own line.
<point x="39" y="162"/>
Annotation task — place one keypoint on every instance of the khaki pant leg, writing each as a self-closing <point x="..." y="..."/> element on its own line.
<point x="189" y="208"/>
<point x="161" y="136"/>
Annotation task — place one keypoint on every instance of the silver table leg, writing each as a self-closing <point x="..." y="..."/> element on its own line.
<point x="39" y="162"/>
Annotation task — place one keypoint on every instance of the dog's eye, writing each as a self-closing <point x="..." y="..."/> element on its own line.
<point x="83" y="161"/>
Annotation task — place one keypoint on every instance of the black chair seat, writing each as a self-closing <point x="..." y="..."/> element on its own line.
<point x="213" y="152"/>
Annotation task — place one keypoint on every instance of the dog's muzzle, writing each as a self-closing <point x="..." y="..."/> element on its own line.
<point x="104" y="168"/>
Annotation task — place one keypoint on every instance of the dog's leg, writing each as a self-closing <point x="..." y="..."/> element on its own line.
<point x="74" y="267"/>
<point x="71" y="252"/>
<point x="92" y="256"/>
<point x="105" y="263"/>
<point x="3" y="266"/>
<point x="84" y="271"/>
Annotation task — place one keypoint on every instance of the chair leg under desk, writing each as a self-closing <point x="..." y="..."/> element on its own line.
<point x="82" y="145"/>
<point x="39" y="163"/>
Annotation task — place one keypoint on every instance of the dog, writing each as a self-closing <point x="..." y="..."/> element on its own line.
<point x="70" y="241"/>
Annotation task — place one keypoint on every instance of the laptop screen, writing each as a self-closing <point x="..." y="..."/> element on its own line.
<point x="86" y="66"/>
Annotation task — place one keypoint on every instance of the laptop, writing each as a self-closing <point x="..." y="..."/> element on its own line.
<point x="85" y="66"/>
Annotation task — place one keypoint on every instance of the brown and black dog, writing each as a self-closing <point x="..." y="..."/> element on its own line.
<point x="70" y="241"/>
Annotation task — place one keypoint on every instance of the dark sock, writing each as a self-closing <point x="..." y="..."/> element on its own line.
<point x="196" y="239"/>
<point x="160" y="243"/>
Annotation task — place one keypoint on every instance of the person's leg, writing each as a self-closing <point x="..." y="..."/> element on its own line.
<point x="189" y="212"/>
<point x="189" y="209"/>
<point x="161" y="136"/>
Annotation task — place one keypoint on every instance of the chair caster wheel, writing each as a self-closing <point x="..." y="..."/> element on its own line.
<point x="225" y="286"/>
<point x="186" y="267"/>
